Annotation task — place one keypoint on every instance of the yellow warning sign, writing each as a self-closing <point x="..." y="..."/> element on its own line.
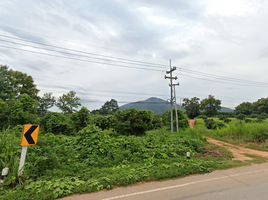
<point x="29" y="134"/>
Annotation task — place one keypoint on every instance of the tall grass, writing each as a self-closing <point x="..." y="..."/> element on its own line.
<point x="249" y="132"/>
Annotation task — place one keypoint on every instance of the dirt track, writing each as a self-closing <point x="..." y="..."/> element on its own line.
<point x="238" y="151"/>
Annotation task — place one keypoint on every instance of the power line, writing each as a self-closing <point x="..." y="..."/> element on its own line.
<point x="106" y="58"/>
<point x="81" y="59"/>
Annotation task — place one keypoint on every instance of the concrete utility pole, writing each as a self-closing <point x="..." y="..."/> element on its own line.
<point x="171" y="92"/>
<point x="177" y="123"/>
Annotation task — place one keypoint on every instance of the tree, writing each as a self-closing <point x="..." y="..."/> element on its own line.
<point x="23" y="111"/>
<point x="109" y="107"/>
<point x="81" y="118"/>
<point x="263" y="105"/>
<point x="14" y="83"/>
<point x="210" y="106"/>
<point x="68" y="102"/>
<point x="245" y="108"/>
<point x="192" y="107"/>
<point x="45" y="102"/>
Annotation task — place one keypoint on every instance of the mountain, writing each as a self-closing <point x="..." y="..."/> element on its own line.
<point x="159" y="106"/>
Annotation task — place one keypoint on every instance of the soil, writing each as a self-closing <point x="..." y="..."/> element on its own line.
<point x="191" y="122"/>
<point x="237" y="150"/>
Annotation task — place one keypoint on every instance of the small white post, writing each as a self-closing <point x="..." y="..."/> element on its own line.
<point x="22" y="159"/>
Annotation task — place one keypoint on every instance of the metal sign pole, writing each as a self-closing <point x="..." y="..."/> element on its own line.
<point x="22" y="159"/>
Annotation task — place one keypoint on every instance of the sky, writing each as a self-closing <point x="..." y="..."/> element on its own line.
<point x="119" y="49"/>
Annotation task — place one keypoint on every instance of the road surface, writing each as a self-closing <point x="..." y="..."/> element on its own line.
<point x="247" y="183"/>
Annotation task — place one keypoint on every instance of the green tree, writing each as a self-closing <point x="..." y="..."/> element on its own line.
<point x="14" y="83"/>
<point x="210" y="106"/>
<point x="81" y="118"/>
<point x="68" y="102"/>
<point x="192" y="107"/>
<point x="45" y="102"/>
<point x="263" y="105"/>
<point x="109" y="107"/>
<point x="245" y="108"/>
<point x="24" y="111"/>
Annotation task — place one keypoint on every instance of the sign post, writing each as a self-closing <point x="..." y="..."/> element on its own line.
<point x="28" y="137"/>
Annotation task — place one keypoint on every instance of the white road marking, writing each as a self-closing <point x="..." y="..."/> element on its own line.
<point x="181" y="185"/>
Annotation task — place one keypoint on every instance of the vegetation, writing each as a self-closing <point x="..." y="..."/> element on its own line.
<point x="192" y="107"/>
<point x="80" y="151"/>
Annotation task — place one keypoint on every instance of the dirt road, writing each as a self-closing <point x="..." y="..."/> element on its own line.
<point x="238" y="151"/>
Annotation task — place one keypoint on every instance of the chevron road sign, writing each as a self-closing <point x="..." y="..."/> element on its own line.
<point x="29" y="134"/>
<point x="28" y="137"/>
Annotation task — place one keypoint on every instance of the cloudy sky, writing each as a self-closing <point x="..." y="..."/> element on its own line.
<point x="104" y="49"/>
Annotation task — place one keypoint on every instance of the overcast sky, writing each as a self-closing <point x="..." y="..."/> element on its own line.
<point x="104" y="49"/>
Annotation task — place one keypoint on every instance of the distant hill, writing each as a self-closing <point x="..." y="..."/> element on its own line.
<point x="159" y="106"/>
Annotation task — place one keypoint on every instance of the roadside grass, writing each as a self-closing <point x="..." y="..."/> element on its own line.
<point x="61" y="165"/>
<point x="238" y="132"/>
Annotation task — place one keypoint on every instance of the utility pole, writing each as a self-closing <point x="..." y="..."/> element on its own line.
<point x="177" y="125"/>
<point x="171" y="92"/>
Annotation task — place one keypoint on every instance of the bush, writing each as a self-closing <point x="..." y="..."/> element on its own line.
<point x="211" y="124"/>
<point x="248" y="120"/>
<point x="254" y="116"/>
<point x="241" y="116"/>
<point x="182" y="119"/>
<point x="221" y="117"/>
<point x="226" y="120"/>
<point x="132" y="121"/>
<point x="56" y="123"/>
<point x="156" y="122"/>
<point x="80" y="119"/>
<point x="104" y="122"/>
<point x="262" y="116"/>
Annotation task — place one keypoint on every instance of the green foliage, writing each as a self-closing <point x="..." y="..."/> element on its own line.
<point x="248" y="120"/>
<point x="13" y="84"/>
<point x="93" y="160"/>
<point x="211" y="124"/>
<point x="23" y="111"/>
<point x="156" y="122"/>
<point x="80" y="119"/>
<point x="182" y="119"/>
<point x="227" y="120"/>
<point x="109" y="107"/>
<point x="132" y="121"/>
<point x="248" y="132"/>
<point x="104" y="122"/>
<point x="244" y="108"/>
<point x="210" y="106"/>
<point x="45" y="102"/>
<point x="241" y="116"/>
<point x="9" y="153"/>
<point x="68" y="102"/>
<point x="56" y="123"/>
<point x="192" y="107"/>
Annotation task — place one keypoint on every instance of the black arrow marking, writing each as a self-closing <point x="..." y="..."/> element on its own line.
<point x="28" y="134"/>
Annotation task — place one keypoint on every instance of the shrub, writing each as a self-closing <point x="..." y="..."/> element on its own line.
<point x="226" y="120"/>
<point x="80" y="119"/>
<point x="156" y="122"/>
<point x="103" y="121"/>
<point x="248" y="120"/>
<point x="254" y="116"/>
<point x="240" y="116"/>
<point x="211" y="124"/>
<point x="221" y="117"/>
<point x="182" y="119"/>
<point x="132" y="121"/>
<point x="56" y="123"/>
<point x="262" y="116"/>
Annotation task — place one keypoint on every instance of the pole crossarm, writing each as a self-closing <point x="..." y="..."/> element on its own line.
<point x="171" y="77"/>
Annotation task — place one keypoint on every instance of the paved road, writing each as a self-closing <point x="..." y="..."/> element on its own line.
<point x="247" y="183"/>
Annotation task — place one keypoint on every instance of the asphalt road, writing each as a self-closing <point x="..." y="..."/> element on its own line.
<point x="247" y="183"/>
